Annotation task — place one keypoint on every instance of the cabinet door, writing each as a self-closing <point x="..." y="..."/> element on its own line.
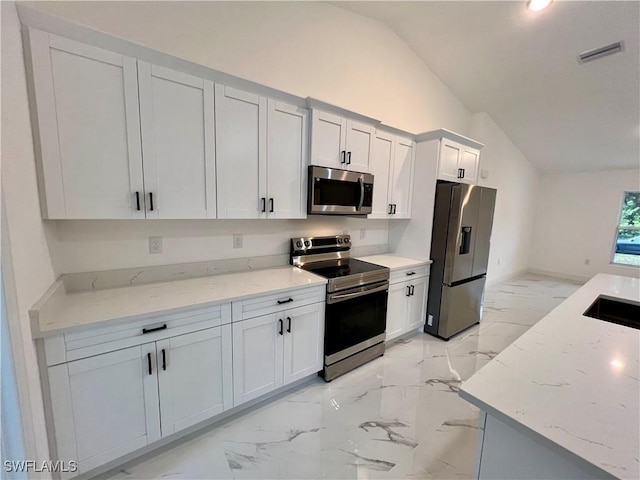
<point x="417" y="303"/>
<point x="105" y="406"/>
<point x="402" y="177"/>
<point x="449" y="161"/>
<point x="257" y="357"/>
<point x="397" y="309"/>
<point x="241" y="153"/>
<point x="176" y="113"/>
<point x="359" y="145"/>
<point x="328" y="139"/>
<point x="287" y="158"/>
<point x="86" y="101"/>
<point x="303" y="341"/>
<point x="194" y="377"/>
<point x="469" y="161"/>
<point x="380" y="167"/>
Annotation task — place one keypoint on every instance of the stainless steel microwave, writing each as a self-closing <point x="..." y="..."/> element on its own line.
<point x="339" y="192"/>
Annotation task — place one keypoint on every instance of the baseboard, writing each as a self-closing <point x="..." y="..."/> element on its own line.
<point x="507" y="277"/>
<point x="564" y="276"/>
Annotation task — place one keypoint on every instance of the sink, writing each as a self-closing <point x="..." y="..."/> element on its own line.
<point x="615" y="310"/>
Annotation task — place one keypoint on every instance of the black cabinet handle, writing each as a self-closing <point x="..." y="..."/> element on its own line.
<point x="280" y="302"/>
<point x="164" y="359"/>
<point x="410" y="273"/>
<point x="149" y="330"/>
<point x="463" y="173"/>
<point x="149" y="363"/>
<point x="343" y="154"/>
<point x="390" y="208"/>
<point x="394" y="208"/>
<point x="348" y="158"/>
<point x="151" y="201"/>
<point x="138" y="201"/>
<point x="408" y="291"/>
<point x="264" y="204"/>
<point x="289" y="325"/>
<point x="413" y="289"/>
<point x="459" y="173"/>
<point x="271" y="205"/>
<point x="281" y="332"/>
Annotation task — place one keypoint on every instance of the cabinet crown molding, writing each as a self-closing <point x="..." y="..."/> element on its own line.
<point x="327" y="107"/>
<point x="444" y="133"/>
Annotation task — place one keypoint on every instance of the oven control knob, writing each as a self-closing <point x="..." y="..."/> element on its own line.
<point x="307" y="243"/>
<point x="299" y="244"/>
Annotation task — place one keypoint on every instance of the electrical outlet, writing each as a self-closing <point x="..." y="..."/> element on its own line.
<point x="155" y="244"/>
<point x="363" y="232"/>
<point x="237" y="241"/>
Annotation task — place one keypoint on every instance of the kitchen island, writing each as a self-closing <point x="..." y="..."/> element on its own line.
<point x="563" y="401"/>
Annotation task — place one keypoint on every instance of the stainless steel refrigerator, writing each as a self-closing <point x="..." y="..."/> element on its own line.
<point x="462" y="222"/>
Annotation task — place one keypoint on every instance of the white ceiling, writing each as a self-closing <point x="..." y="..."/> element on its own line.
<point x="520" y="67"/>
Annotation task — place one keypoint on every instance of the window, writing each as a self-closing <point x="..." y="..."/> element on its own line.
<point x="627" y="247"/>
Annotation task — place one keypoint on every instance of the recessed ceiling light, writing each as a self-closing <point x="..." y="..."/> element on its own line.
<point x="537" y="5"/>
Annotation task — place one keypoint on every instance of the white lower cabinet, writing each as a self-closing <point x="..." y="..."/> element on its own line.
<point x="194" y="377"/>
<point x="105" y="406"/>
<point x="273" y="350"/>
<point x="112" y="404"/>
<point x="406" y="307"/>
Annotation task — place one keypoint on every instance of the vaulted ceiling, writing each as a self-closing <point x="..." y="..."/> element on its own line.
<point x="521" y="68"/>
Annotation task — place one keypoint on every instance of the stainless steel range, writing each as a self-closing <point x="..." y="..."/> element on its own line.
<point x="356" y="311"/>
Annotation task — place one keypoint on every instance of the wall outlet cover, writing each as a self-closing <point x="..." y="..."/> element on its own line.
<point x="237" y="241"/>
<point x="155" y="245"/>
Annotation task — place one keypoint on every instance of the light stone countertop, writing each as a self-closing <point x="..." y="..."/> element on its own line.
<point x="394" y="262"/>
<point x="572" y="380"/>
<point x="59" y="311"/>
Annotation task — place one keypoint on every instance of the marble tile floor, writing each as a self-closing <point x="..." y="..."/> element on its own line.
<point x="396" y="417"/>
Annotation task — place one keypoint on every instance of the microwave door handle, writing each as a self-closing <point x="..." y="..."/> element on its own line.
<point x="361" y="183"/>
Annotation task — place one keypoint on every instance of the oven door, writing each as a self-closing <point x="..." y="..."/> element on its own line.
<point x="355" y="319"/>
<point x="339" y="192"/>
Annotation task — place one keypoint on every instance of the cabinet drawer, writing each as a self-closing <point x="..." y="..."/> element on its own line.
<point x="403" y="274"/>
<point x="266" y="304"/>
<point x="104" y="339"/>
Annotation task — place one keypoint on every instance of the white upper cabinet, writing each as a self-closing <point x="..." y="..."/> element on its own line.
<point x="359" y="145"/>
<point x="402" y="177"/>
<point x="261" y="156"/>
<point x="392" y="166"/>
<point x="88" y="129"/>
<point x="329" y="136"/>
<point x="241" y="153"/>
<point x="176" y="113"/>
<point x="338" y="142"/>
<point x="287" y="154"/>
<point x="458" y="156"/>
<point x="449" y="164"/>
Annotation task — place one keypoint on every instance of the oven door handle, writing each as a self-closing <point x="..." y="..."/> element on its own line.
<point x="341" y="297"/>
<point x="361" y="183"/>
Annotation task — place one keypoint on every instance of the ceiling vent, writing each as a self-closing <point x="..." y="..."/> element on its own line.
<point x="597" y="53"/>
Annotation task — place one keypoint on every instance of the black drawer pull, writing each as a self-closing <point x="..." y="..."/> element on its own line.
<point x="411" y="273"/>
<point x="149" y="330"/>
<point x="149" y="363"/>
<point x="280" y="302"/>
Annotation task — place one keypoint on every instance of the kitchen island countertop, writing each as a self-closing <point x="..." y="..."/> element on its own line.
<point x="573" y="382"/>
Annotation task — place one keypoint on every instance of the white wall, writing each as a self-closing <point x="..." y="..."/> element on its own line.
<point x="516" y="181"/>
<point x="304" y="48"/>
<point x="576" y="221"/>
<point x="26" y="241"/>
